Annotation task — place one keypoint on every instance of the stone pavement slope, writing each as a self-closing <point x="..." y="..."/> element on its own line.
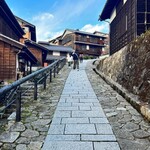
<point x="79" y="122"/>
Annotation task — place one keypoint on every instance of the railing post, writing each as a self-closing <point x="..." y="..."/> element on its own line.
<point x="50" y="77"/>
<point x="57" y="67"/>
<point x="35" y="89"/>
<point x="54" y="71"/>
<point x="44" y="81"/>
<point x="18" y="106"/>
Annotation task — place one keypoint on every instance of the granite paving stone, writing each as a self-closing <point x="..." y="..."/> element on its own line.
<point x="85" y="108"/>
<point x="98" y="120"/>
<point x="63" y="104"/>
<point x="74" y="120"/>
<point x="67" y="145"/>
<point x="100" y="138"/>
<point x="56" y="129"/>
<point x="56" y="121"/>
<point x="104" y="129"/>
<point x="81" y="114"/>
<point x="62" y="138"/>
<point x="106" y="146"/>
<point x="83" y="104"/>
<point x="62" y="113"/>
<point x="80" y="129"/>
<point x="68" y="108"/>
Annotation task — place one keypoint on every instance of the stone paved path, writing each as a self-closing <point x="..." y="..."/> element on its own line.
<point x="131" y="130"/>
<point x="79" y="122"/>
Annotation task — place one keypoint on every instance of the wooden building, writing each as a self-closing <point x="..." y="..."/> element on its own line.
<point x="39" y="51"/>
<point x="105" y="50"/>
<point x="11" y="50"/>
<point x="83" y="42"/>
<point x="28" y="28"/>
<point x="29" y="39"/>
<point x="56" y="41"/>
<point x="55" y="52"/>
<point x="128" y="19"/>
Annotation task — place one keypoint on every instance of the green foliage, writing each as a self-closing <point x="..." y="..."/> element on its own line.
<point x="88" y="57"/>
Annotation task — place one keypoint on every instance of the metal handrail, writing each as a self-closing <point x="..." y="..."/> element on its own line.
<point x="5" y="96"/>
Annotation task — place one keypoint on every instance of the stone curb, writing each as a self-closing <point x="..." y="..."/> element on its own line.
<point x="131" y="98"/>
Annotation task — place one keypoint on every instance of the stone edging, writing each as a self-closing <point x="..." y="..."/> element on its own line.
<point x="131" y="98"/>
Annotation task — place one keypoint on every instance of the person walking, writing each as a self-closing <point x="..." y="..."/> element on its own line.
<point x="70" y="60"/>
<point x="75" y="60"/>
<point x="81" y="58"/>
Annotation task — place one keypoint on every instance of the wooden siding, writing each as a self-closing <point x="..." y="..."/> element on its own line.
<point x="7" y="30"/>
<point x="37" y="53"/>
<point x="79" y="42"/>
<point x="132" y="19"/>
<point x="93" y="50"/>
<point x="7" y="62"/>
<point x="122" y="28"/>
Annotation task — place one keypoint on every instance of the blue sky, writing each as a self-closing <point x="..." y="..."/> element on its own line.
<point x="52" y="17"/>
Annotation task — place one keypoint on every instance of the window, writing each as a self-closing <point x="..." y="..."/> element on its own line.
<point x="56" y="53"/>
<point x="124" y="1"/>
<point x="87" y="47"/>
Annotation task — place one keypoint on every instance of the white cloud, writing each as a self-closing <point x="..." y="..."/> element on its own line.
<point x="43" y="24"/>
<point x="98" y="27"/>
<point x="55" y="34"/>
<point x="43" y="17"/>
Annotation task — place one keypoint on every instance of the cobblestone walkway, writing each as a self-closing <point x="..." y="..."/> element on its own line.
<point x="79" y="122"/>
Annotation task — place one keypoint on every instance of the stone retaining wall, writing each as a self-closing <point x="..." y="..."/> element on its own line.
<point x="130" y="68"/>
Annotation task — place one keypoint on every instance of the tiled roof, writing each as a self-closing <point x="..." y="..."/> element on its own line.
<point x="57" y="48"/>
<point x="82" y="32"/>
<point x="52" y="57"/>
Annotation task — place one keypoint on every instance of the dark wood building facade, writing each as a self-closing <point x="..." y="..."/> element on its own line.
<point x="12" y="52"/>
<point x="83" y="42"/>
<point x="39" y="51"/>
<point x="9" y="50"/>
<point x="10" y="34"/>
<point x="128" y="19"/>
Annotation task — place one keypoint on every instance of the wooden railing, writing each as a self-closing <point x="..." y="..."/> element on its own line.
<point x="12" y="93"/>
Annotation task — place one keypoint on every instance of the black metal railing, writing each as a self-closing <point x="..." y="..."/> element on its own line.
<point x="12" y="94"/>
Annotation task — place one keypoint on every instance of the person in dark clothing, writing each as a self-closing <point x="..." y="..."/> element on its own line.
<point x="75" y="60"/>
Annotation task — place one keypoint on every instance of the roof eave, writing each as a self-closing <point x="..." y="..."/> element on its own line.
<point x="5" y="9"/>
<point x="107" y="10"/>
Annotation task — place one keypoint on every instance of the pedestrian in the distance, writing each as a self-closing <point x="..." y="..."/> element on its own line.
<point x="70" y="60"/>
<point x="81" y="58"/>
<point x="75" y="60"/>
